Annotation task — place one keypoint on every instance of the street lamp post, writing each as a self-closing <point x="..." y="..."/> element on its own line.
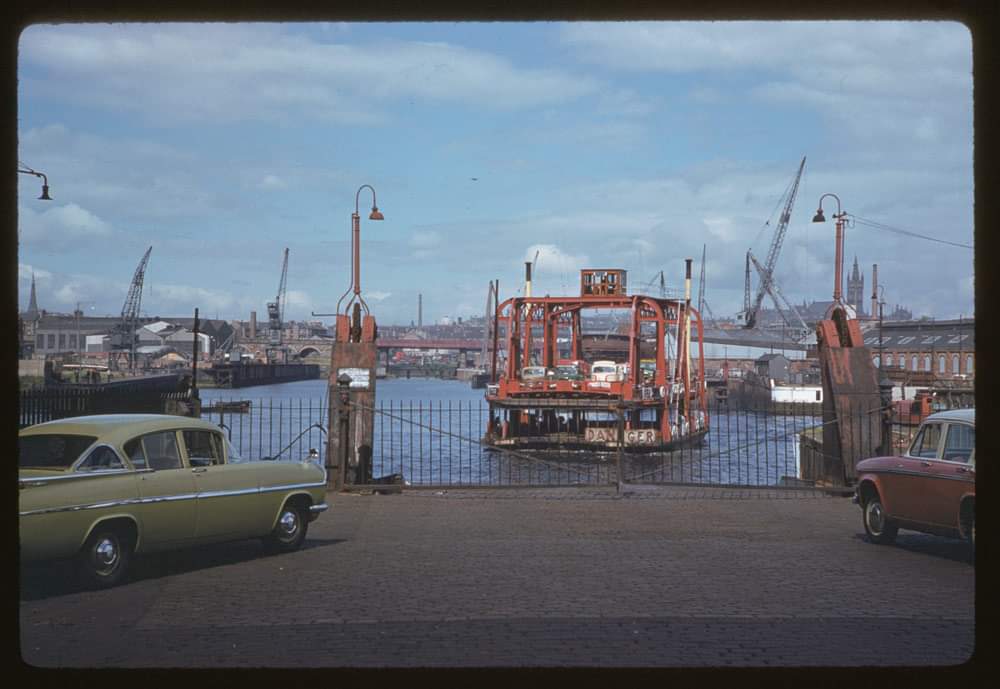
<point x="356" y="299"/>
<point x="839" y="256"/>
<point x="353" y="365"/>
<point x="25" y="170"/>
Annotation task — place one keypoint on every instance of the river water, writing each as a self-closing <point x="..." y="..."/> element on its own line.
<point x="428" y="430"/>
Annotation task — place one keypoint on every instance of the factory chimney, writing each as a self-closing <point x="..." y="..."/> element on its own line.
<point x="253" y="324"/>
<point x="420" y="310"/>
<point x="527" y="278"/>
<point x="874" y="311"/>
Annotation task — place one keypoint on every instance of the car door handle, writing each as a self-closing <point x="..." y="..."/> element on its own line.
<point x="962" y="470"/>
<point x="925" y="464"/>
<point x="199" y="470"/>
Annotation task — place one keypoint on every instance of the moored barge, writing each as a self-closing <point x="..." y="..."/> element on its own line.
<point x="559" y="388"/>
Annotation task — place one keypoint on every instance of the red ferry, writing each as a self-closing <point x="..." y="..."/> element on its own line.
<point x="559" y="389"/>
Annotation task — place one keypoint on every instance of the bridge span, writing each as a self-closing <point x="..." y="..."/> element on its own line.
<point x="316" y="346"/>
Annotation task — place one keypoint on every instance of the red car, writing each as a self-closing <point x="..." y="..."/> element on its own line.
<point x="931" y="488"/>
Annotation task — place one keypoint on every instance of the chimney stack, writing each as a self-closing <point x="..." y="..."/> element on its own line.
<point x="253" y="324"/>
<point x="527" y="278"/>
<point x="420" y="310"/>
<point x="874" y="313"/>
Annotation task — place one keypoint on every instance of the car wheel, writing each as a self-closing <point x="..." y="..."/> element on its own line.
<point x="105" y="559"/>
<point x="290" y="530"/>
<point x="878" y="526"/>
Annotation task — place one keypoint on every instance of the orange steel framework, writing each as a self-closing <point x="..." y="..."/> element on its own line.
<point x="663" y="402"/>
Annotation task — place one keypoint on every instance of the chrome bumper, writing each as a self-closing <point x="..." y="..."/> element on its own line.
<point x="854" y="499"/>
<point x="321" y="507"/>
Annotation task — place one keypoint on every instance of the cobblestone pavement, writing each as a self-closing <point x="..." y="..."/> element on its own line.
<point x="668" y="576"/>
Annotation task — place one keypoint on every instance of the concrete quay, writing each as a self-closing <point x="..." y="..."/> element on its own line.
<point x="668" y="577"/>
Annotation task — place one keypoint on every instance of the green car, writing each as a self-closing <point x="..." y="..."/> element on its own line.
<point x="100" y="488"/>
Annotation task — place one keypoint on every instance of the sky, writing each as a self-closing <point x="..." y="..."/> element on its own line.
<point x="587" y="144"/>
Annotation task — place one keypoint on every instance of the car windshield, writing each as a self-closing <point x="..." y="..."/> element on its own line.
<point x="533" y="373"/>
<point x="52" y="451"/>
<point x="604" y="369"/>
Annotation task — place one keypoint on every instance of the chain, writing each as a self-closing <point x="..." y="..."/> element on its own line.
<point x="780" y="435"/>
<point x="513" y="453"/>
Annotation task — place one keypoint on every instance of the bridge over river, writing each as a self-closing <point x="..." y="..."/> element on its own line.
<point x="320" y="346"/>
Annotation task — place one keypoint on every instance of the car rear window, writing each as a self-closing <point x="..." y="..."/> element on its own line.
<point x="52" y="450"/>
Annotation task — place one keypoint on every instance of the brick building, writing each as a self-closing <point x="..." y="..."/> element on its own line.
<point x="945" y="349"/>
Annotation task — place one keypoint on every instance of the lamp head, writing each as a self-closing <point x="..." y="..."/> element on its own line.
<point x="343" y="380"/>
<point x="819" y="216"/>
<point x="45" y="193"/>
<point x="376" y="214"/>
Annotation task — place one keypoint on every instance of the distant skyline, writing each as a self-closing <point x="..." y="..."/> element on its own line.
<point x="614" y="144"/>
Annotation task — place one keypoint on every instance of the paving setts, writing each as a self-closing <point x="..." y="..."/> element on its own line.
<point x="560" y="577"/>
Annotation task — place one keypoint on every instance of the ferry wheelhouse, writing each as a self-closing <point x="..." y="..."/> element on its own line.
<point x="559" y="388"/>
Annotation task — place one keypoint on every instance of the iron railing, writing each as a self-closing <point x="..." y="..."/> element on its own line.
<point x="38" y="405"/>
<point x="272" y="428"/>
<point x="440" y="443"/>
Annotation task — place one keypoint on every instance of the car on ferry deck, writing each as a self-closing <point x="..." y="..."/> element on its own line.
<point x="930" y="488"/>
<point x="99" y="488"/>
<point x="570" y="371"/>
<point x="606" y="372"/>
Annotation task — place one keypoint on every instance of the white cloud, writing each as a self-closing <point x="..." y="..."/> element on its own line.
<point x="226" y="72"/>
<point x="272" y="183"/>
<point x="552" y="262"/>
<point x="873" y="78"/>
<point x="60" y="224"/>
<point x="376" y="295"/>
<point x="181" y="298"/>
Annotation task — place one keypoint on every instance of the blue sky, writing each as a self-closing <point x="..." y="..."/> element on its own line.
<point x="621" y="144"/>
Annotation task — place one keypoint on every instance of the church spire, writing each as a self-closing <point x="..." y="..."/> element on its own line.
<point x="32" y="311"/>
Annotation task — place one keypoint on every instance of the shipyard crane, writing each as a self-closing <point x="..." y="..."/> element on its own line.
<point x="123" y="335"/>
<point x="779" y="298"/>
<point x="276" y="313"/>
<point x="751" y="309"/>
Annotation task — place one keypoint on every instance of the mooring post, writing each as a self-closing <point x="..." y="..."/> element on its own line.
<point x="338" y="445"/>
